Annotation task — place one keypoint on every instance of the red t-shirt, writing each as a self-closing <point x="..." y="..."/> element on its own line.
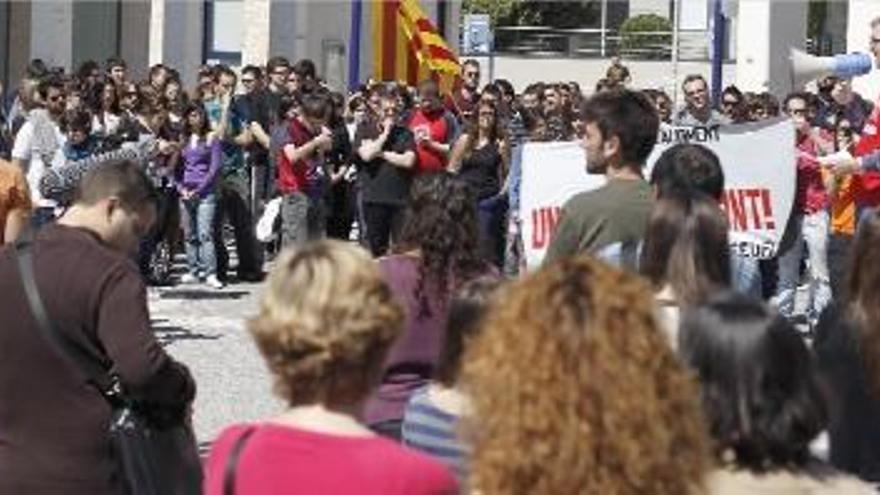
<point x="439" y="128"/>
<point x="868" y="192"/>
<point x="282" y="460"/>
<point x="292" y="177"/>
<point x="810" y="195"/>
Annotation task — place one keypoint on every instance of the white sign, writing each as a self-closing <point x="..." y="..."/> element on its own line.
<point x="759" y="171"/>
<point x="477" y="34"/>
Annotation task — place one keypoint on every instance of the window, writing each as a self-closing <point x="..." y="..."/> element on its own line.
<point x="223" y="31"/>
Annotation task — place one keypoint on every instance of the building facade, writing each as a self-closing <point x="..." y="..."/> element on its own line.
<point x="187" y="33"/>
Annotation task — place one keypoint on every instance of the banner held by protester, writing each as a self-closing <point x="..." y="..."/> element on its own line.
<point x="759" y="169"/>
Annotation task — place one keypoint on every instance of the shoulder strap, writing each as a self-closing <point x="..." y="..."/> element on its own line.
<point x="232" y="461"/>
<point x="62" y="345"/>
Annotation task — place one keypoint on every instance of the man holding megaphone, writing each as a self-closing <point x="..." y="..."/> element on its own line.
<point x="867" y="151"/>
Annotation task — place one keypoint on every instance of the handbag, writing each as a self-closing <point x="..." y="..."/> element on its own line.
<point x="152" y="460"/>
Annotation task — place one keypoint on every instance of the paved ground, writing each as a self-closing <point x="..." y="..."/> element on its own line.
<point x="204" y="328"/>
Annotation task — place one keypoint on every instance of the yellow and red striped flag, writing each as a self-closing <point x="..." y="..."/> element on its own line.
<point x="407" y="47"/>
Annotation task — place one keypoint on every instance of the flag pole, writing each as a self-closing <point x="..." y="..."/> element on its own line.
<point x="354" y="45"/>
<point x="676" y="16"/>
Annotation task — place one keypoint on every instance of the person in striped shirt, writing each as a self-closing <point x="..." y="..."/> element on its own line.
<point x="431" y="417"/>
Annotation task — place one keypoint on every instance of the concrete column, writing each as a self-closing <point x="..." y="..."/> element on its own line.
<point x="768" y="29"/>
<point x="177" y="30"/>
<point x="51" y="32"/>
<point x="256" y="36"/>
<point x="858" y="33"/>
<point x="157" y="32"/>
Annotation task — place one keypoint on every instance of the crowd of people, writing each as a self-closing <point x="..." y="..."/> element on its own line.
<point x="413" y="352"/>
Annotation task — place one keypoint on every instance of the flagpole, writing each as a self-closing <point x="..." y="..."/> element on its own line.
<point x="354" y="45"/>
<point x="676" y="15"/>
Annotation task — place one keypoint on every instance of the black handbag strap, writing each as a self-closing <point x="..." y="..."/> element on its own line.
<point x="232" y="461"/>
<point x="62" y="345"/>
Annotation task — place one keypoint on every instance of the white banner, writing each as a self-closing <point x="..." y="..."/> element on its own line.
<point x="759" y="172"/>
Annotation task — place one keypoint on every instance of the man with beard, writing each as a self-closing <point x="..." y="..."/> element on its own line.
<point x="620" y="130"/>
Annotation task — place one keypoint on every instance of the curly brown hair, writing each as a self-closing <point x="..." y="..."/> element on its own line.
<point x="575" y="390"/>
<point x="440" y="221"/>
<point x="325" y="324"/>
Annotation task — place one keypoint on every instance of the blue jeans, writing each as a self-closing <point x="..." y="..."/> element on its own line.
<point x="198" y="220"/>
<point x="745" y="275"/>
<point x="810" y="231"/>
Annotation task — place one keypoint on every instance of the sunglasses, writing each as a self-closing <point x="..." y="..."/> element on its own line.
<point x="730" y="103"/>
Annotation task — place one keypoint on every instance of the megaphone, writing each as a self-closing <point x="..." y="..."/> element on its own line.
<point x="806" y="67"/>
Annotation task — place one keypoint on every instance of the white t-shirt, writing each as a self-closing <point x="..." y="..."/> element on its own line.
<point x="34" y="168"/>
<point x="109" y="127"/>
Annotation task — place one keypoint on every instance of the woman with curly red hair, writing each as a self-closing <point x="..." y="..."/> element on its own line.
<point x="575" y="390"/>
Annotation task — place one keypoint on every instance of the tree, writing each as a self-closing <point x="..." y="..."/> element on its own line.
<point x="563" y="15"/>
<point x="567" y="14"/>
<point x="499" y="10"/>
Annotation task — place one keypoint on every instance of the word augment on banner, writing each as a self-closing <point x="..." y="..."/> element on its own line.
<point x="699" y="134"/>
<point x="748" y="209"/>
<point x="544" y="222"/>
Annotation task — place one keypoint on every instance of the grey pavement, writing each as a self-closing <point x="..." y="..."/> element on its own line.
<point x="205" y="329"/>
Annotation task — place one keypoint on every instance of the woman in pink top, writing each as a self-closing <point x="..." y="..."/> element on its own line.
<point x="324" y="326"/>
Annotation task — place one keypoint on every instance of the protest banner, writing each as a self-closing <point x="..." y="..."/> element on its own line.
<point x="759" y="169"/>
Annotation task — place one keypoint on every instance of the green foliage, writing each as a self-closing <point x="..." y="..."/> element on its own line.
<point x="563" y="15"/>
<point x="499" y="11"/>
<point x="567" y="14"/>
<point x="633" y="40"/>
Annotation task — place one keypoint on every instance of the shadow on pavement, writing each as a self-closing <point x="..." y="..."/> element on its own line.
<point x="202" y="294"/>
<point x="168" y="334"/>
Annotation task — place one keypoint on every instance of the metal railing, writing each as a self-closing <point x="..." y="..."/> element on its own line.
<point x="542" y="41"/>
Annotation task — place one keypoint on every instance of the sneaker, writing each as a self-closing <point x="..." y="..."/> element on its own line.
<point x="214" y="282"/>
<point x="189" y="278"/>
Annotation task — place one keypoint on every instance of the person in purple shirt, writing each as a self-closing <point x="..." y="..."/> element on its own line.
<point x="200" y="154"/>
<point x="437" y="253"/>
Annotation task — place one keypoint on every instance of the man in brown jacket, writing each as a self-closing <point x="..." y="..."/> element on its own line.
<point x="53" y="424"/>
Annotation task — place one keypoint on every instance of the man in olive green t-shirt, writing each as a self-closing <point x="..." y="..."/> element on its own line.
<point x="620" y="129"/>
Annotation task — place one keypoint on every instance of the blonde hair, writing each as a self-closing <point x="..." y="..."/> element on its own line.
<point x="325" y="323"/>
<point x="575" y="390"/>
